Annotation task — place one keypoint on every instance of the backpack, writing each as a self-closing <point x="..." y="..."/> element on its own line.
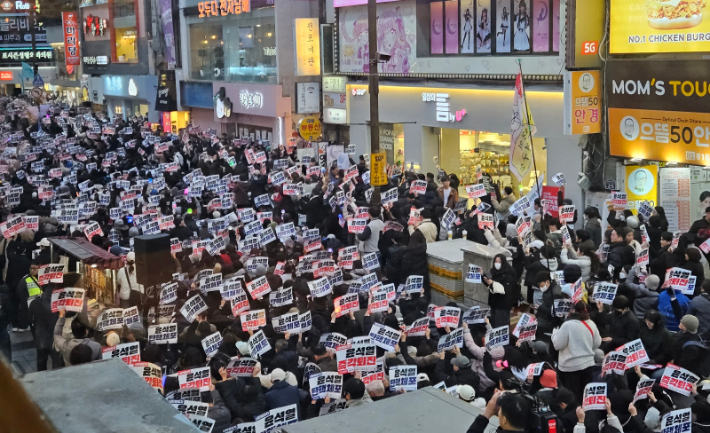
<point x="703" y="362"/>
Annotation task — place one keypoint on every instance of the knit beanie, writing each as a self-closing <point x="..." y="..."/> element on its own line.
<point x="652" y="282"/>
<point x="690" y="323"/>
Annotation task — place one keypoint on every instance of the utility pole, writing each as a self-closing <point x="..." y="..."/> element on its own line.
<point x="373" y="88"/>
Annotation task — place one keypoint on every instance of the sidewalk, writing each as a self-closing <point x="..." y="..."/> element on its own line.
<point x="24" y="355"/>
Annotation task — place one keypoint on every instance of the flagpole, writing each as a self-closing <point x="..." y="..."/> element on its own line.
<point x="532" y="145"/>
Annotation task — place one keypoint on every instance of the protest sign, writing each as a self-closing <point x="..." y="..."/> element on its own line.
<point x="68" y="299"/>
<point x="195" y="378"/>
<point x="473" y="275"/>
<point x="286" y="323"/>
<point x="253" y="320"/>
<point x="604" y="292"/>
<point x="384" y="336"/>
<point x="151" y="373"/>
<point x="258" y="344"/>
<point x="677" y="421"/>
<point x="351" y="357"/>
<point x="476" y="190"/>
<point x="193" y="307"/>
<point x="111" y="318"/>
<point x="241" y="367"/>
<point x="332" y="340"/>
<point x="403" y="377"/>
<point x="485" y="220"/>
<point x="418" y="328"/>
<point x="346" y="303"/>
<point x="211" y="343"/>
<point x="614" y="362"/>
<point x="127" y="352"/>
<point x="320" y="287"/>
<point x="447" y="316"/>
<point x="326" y="384"/>
<point x="258" y="287"/>
<point x="268" y="421"/>
<point x="643" y="387"/>
<point x="497" y="337"/>
<point x="476" y="315"/>
<point x="163" y="334"/>
<point x="678" y="379"/>
<point x="566" y="213"/>
<point x="594" y="396"/>
<point x="451" y="340"/>
<point x="635" y="353"/>
<point x="52" y="273"/>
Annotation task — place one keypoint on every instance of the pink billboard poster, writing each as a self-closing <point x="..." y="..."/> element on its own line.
<point x="452" y="27"/>
<point x="345" y="3"/>
<point x="437" y="27"/>
<point x="556" y="25"/>
<point x="541" y="26"/>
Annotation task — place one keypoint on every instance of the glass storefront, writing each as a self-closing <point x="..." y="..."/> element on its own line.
<point x="234" y="48"/>
<point x="125" y="30"/>
<point x="463" y="152"/>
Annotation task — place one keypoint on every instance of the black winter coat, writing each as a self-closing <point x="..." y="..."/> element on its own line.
<point x="620" y="255"/>
<point x="282" y="394"/>
<point x="43" y="320"/>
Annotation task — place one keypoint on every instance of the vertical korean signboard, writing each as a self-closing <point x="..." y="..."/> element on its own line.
<point x="582" y="102"/>
<point x="71" y="40"/>
<point x="307" y="46"/>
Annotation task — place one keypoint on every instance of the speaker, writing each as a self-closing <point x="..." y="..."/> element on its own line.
<point x="153" y="261"/>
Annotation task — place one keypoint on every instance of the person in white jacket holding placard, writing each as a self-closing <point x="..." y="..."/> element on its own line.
<point x="576" y="341"/>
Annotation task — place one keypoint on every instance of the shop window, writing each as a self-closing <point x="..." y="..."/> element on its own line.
<point x="237" y="48"/>
<point x="463" y="152"/>
<point x="492" y="27"/>
<point x="125" y="31"/>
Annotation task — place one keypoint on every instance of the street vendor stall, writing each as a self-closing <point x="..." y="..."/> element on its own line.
<point x="87" y="266"/>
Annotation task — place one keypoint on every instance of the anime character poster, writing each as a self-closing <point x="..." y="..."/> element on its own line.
<point x="556" y="25"/>
<point x="483" y="26"/>
<point x="451" y="9"/>
<point x="395" y="36"/>
<point x="436" y="15"/>
<point x="521" y="25"/>
<point x="504" y="41"/>
<point x="541" y="33"/>
<point x="466" y="23"/>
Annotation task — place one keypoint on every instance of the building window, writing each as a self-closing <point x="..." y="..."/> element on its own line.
<point x="125" y="31"/>
<point x="485" y="27"/>
<point x="235" y="48"/>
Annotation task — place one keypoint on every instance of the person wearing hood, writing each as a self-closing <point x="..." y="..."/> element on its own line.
<point x="547" y="320"/>
<point x="593" y="225"/>
<point x="693" y="264"/>
<point x="503" y="207"/>
<point x="656" y="338"/>
<point x="623" y="325"/>
<point x="501" y="289"/>
<point x="544" y="261"/>
<point x="620" y="253"/>
<point x="664" y="258"/>
<point x="42" y="322"/>
<point x="576" y="340"/>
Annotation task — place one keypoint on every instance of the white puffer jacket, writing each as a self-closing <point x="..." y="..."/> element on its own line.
<point x="568" y="257"/>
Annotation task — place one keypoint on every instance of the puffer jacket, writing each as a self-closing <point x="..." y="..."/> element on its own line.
<point x="503" y="207"/>
<point x="477" y="361"/>
<point x="700" y="308"/>
<point x="568" y="257"/>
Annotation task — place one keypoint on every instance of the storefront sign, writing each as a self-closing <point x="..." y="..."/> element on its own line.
<point x="5" y="75"/>
<point x="585" y="20"/>
<point x="222" y="104"/>
<point x="641" y="185"/>
<point x="95" y="60"/>
<point x="582" y="102"/>
<point x="210" y="8"/>
<point x="95" y="26"/>
<point x="307" y="46"/>
<point x="443" y="107"/>
<point x="337" y="116"/>
<point x="307" y="98"/>
<point x="249" y="100"/>
<point x="334" y="84"/>
<point x="71" y="40"/>
<point x="166" y="99"/>
<point x="658" y="110"/>
<point x="378" y="175"/>
<point x="309" y="128"/>
<point x="12" y="56"/>
<point x="658" y="26"/>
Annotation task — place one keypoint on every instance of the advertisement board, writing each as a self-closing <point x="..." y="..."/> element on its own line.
<point x="658" y="26"/>
<point x="657" y="110"/>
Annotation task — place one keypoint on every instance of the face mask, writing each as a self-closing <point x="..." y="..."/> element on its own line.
<point x="543" y="289"/>
<point x="497" y="265"/>
<point x="622" y="275"/>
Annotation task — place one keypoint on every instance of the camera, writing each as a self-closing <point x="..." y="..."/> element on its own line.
<point x="542" y="418"/>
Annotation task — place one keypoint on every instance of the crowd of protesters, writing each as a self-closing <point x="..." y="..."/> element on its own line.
<point x="319" y="221"/>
